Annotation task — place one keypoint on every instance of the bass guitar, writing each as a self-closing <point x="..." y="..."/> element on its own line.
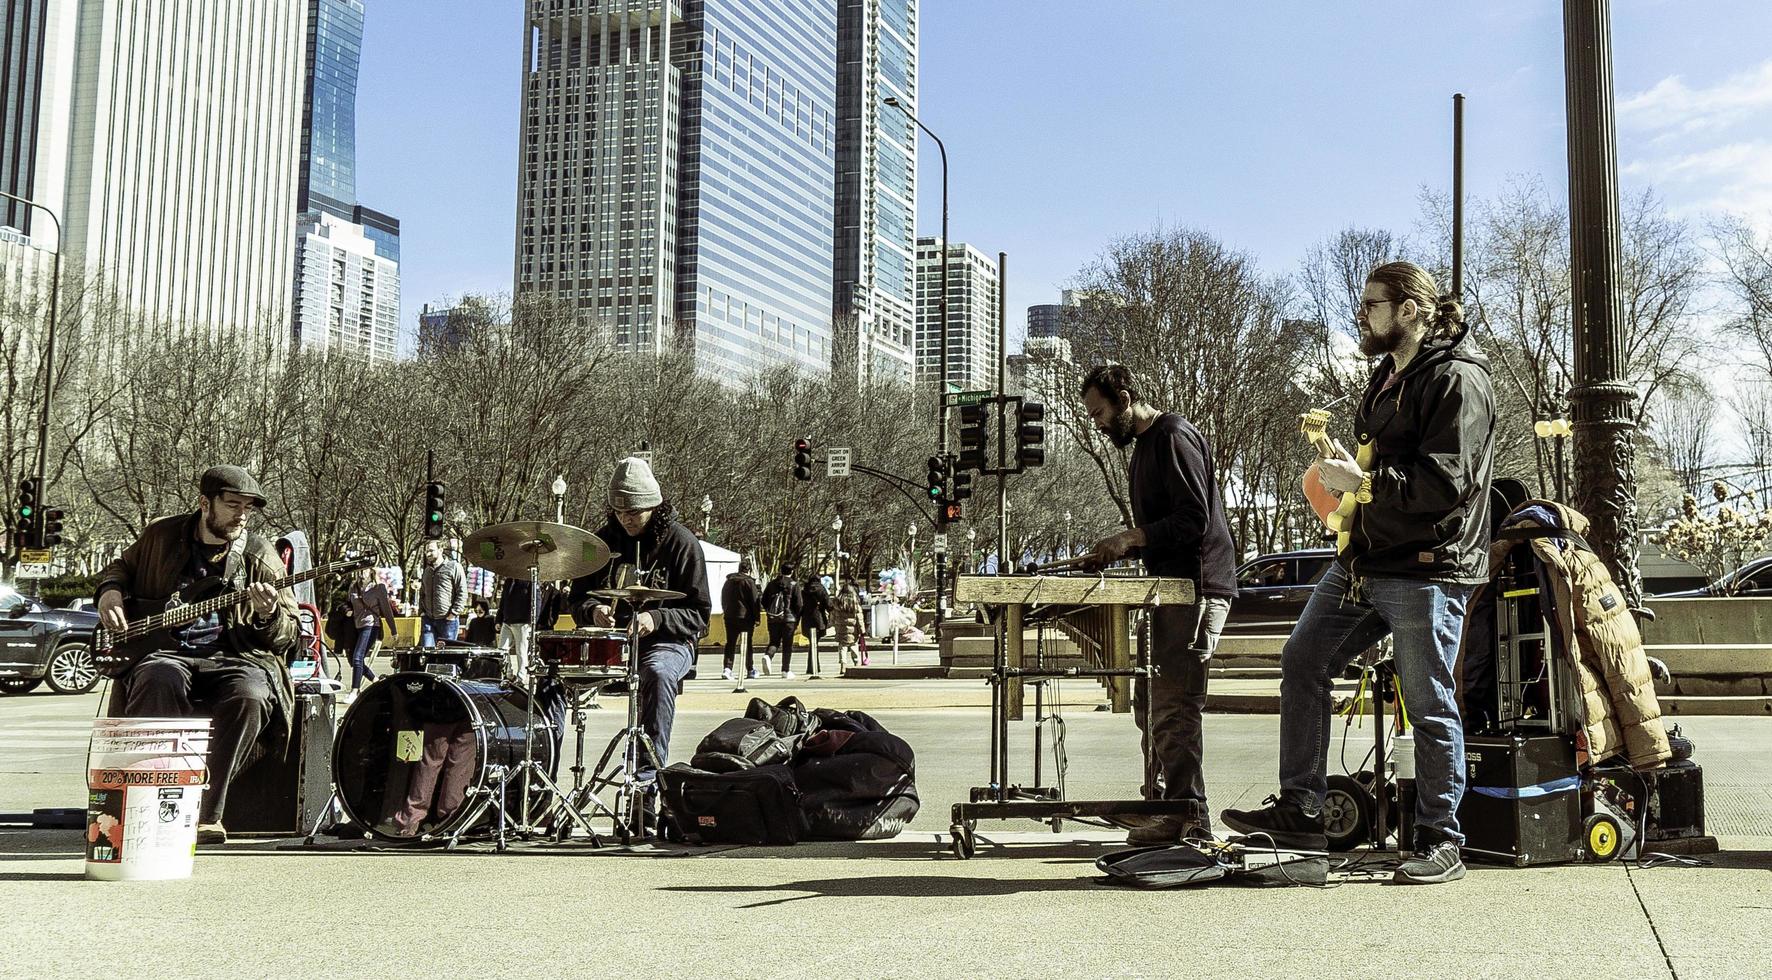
<point x="1335" y="510"/>
<point x="151" y="620"/>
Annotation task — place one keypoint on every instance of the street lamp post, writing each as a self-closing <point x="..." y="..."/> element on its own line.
<point x="837" y="526"/>
<point x="941" y="408"/>
<point x="55" y="285"/>
<point x="707" y="513"/>
<point x="972" y="549"/>
<point x="1067" y="534"/>
<point x="559" y="488"/>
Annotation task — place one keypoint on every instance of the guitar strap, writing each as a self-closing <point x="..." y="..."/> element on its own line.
<point x="234" y="568"/>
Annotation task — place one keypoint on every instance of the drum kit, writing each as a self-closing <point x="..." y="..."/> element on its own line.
<point x="454" y="746"/>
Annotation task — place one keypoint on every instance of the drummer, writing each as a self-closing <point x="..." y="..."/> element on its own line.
<point x="648" y="546"/>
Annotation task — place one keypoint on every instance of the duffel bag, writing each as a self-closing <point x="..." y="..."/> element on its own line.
<point x="751" y="806"/>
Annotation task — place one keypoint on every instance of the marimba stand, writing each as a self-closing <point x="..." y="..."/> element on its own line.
<point x="1014" y="598"/>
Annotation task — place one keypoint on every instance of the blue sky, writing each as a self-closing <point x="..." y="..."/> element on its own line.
<point x="1269" y="124"/>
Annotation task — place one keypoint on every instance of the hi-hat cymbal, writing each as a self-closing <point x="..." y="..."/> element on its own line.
<point x="637" y="593"/>
<point x="555" y="551"/>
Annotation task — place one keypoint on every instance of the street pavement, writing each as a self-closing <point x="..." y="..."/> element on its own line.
<point x="1030" y="903"/>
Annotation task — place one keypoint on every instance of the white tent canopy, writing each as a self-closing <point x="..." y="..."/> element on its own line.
<point x="721" y="563"/>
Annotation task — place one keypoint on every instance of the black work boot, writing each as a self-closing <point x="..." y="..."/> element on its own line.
<point x="1287" y="824"/>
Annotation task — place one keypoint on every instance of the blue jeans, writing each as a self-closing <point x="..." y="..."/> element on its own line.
<point x="434" y="631"/>
<point x="662" y="668"/>
<point x="360" y="671"/>
<point x="1425" y="619"/>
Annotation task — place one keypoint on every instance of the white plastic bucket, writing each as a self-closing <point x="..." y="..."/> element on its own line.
<point x="145" y="779"/>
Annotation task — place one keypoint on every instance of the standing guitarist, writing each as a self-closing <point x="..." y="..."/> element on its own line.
<point x="230" y="664"/>
<point x="1417" y="546"/>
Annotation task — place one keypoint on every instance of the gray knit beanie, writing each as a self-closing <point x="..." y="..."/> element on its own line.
<point x="634" y="486"/>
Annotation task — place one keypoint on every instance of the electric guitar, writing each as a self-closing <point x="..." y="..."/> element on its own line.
<point x="1335" y="510"/>
<point x="150" y="620"/>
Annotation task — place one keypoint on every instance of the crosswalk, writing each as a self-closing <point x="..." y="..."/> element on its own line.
<point x="39" y="745"/>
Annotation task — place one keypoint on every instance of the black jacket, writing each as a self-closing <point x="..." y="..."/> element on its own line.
<point x="670" y="558"/>
<point x="1175" y="501"/>
<point x="815" y="607"/>
<point x="739" y="601"/>
<point x="782" y="583"/>
<point x="1434" y="433"/>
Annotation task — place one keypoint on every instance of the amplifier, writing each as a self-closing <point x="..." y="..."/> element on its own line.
<point x="1522" y="799"/>
<point x="283" y="795"/>
<point x="1675" y="799"/>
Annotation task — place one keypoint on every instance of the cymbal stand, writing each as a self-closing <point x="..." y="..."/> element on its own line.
<point x="530" y="767"/>
<point x="633" y="741"/>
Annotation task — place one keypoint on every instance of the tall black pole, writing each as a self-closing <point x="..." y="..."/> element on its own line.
<point x="55" y="286"/>
<point x="1458" y="197"/>
<point x="1601" y="401"/>
<point x="1004" y="425"/>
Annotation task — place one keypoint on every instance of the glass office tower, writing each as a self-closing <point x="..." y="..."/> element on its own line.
<point x="329" y="112"/>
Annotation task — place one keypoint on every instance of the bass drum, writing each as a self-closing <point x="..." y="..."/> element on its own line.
<point x="417" y="752"/>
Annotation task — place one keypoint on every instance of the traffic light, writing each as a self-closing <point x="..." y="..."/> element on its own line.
<point x="962" y="485"/>
<point x="434" y="510"/>
<point x="49" y="532"/>
<point x="973" y="421"/>
<point x="951" y="513"/>
<point x="1029" y="435"/>
<point x="802" y="459"/>
<point x="28" y="495"/>
<point x="938" y="478"/>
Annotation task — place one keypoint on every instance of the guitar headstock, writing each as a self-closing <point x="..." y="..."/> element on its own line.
<point x="1314" y="425"/>
<point x="349" y="564"/>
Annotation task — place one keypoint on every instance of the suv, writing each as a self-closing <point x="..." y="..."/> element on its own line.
<point x="39" y="644"/>
<point x="1272" y="591"/>
<point x="1751" y="579"/>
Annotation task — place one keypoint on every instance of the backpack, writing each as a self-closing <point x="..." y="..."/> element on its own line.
<point x="778" y="603"/>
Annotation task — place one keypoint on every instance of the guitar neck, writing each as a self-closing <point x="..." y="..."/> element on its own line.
<point x="197" y="610"/>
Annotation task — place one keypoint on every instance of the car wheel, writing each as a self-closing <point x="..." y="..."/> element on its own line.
<point x="71" y="670"/>
<point x="19" y="685"/>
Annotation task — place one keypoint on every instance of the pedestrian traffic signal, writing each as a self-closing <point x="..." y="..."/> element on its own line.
<point x="49" y="533"/>
<point x="938" y="477"/>
<point x="28" y="495"/>
<point x="974" y="419"/>
<point x="802" y="459"/>
<point x="1029" y="435"/>
<point x="434" y="502"/>
<point x="951" y="512"/>
<point x="962" y="485"/>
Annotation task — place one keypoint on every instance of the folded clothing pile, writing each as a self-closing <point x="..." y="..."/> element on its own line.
<point x="782" y="774"/>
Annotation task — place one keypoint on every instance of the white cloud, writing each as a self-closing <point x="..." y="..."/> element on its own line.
<point x="1671" y="105"/>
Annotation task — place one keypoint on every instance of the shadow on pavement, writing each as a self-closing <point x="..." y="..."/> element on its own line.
<point x="892" y="886"/>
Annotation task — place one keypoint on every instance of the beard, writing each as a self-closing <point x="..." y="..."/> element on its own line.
<point x="1374" y="344"/>
<point x="223" y="532"/>
<point x="1120" y="430"/>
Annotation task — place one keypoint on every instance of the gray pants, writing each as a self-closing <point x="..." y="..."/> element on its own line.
<point x="1174" y="740"/>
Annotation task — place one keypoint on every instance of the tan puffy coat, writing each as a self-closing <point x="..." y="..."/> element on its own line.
<point x="1618" y="699"/>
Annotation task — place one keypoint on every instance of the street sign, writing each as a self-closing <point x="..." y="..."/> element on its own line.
<point x="645" y="454"/>
<point x="36" y="556"/>
<point x="941" y="544"/>
<point x="966" y="397"/>
<point x="34" y="569"/>
<point x="836" y="462"/>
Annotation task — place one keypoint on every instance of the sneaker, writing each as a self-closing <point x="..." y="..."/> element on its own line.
<point x="215" y="833"/>
<point x="787" y="675"/>
<point x="768" y="665"/>
<point x="1286" y="823"/>
<point x="864" y="660"/>
<point x="1430" y="865"/>
<point x="726" y="674"/>
<point x="751" y="674"/>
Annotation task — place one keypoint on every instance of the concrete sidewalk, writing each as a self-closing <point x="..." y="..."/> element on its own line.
<point x="1028" y="905"/>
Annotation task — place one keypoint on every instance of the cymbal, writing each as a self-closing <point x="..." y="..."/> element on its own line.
<point x="556" y="551"/>
<point x="637" y="593"/>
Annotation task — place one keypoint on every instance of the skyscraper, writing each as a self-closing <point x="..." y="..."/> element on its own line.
<point x="165" y="137"/>
<point x="331" y="224"/>
<point x="972" y="315"/>
<point x="876" y="190"/>
<point x="676" y="170"/>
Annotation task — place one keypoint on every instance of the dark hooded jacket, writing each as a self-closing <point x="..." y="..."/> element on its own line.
<point x="1433" y="433"/>
<point x="669" y="557"/>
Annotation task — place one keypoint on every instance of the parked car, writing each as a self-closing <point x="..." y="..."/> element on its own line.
<point x="1272" y="590"/>
<point x="1753" y="578"/>
<point x="41" y="645"/>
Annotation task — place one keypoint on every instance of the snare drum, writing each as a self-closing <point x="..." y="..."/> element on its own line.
<point x="584" y="652"/>
<point x="416" y="751"/>
<point x="479" y="663"/>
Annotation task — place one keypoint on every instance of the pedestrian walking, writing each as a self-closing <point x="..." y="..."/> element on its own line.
<point x="781" y="602"/>
<point x="851" y="629"/>
<point x="442" y="595"/>
<point x="815" y="614"/>
<point x="369" y="604"/>
<point x="740" y="605"/>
